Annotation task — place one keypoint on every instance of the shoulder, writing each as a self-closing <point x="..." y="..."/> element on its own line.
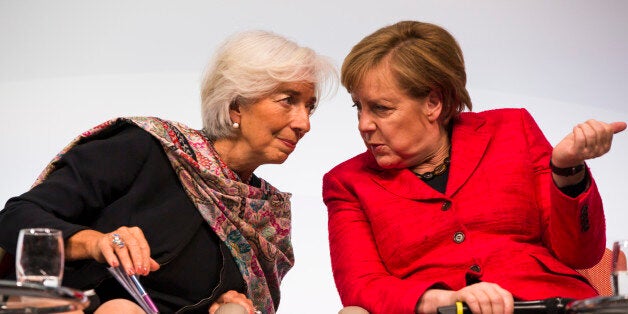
<point x="494" y="119"/>
<point x="495" y="114"/>
<point x="351" y="166"/>
<point x="122" y="133"/>
<point x="131" y="133"/>
<point x="121" y="141"/>
<point x="109" y="155"/>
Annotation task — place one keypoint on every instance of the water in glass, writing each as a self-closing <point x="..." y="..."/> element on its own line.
<point x="40" y="256"/>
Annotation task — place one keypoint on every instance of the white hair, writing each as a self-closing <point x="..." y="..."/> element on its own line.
<point x="251" y="65"/>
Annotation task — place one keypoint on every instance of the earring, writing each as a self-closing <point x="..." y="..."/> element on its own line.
<point x="236" y="125"/>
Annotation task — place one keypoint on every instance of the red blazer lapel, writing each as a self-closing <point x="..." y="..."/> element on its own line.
<point x="401" y="182"/>
<point x="469" y="141"/>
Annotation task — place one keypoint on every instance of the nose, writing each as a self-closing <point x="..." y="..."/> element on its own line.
<point x="365" y="123"/>
<point x="301" y="121"/>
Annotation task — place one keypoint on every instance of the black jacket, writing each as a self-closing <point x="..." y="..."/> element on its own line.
<point x="123" y="178"/>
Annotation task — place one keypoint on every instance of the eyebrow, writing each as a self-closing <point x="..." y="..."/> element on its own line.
<point x="293" y="92"/>
<point x="385" y="98"/>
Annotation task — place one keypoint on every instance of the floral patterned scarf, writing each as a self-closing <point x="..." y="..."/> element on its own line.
<point x="253" y="222"/>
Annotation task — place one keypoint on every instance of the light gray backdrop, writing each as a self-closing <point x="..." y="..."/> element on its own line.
<point x="66" y="66"/>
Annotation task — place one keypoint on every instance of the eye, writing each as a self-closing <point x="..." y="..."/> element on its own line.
<point x="380" y="108"/>
<point x="310" y="107"/>
<point x="357" y="105"/>
<point x="288" y="100"/>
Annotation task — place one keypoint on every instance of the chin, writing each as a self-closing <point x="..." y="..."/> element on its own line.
<point x="278" y="159"/>
<point x="386" y="163"/>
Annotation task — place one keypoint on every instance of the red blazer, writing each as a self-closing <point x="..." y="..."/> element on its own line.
<point x="501" y="220"/>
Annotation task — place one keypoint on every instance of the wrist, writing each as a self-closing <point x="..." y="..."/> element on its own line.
<point x="433" y="298"/>
<point x="566" y="171"/>
<point x="83" y="245"/>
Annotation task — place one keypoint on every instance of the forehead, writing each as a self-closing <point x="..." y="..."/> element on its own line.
<point x="297" y="88"/>
<point x="377" y="81"/>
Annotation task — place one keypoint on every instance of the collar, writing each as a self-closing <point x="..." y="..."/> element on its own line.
<point x="470" y="138"/>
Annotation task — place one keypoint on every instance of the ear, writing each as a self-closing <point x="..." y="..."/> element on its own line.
<point x="234" y="112"/>
<point x="434" y="105"/>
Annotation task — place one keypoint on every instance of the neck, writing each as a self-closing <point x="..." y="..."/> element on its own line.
<point x="436" y="158"/>
<point x="234" y="157"/>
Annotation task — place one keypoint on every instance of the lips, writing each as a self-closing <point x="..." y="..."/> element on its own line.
<point x="376" y="148"/>
<point x="289" y="143"/>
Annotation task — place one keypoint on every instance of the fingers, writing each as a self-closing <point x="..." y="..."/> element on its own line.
<point x="593" y="138"/>
<point x="106" y="246"/>
<point x="618" y="127"/>
<point x="127" y="246"/>
<point x="138" y="249"/>
<point x="233" y="296"/>
<point x="214" y="307"/>
<point x="153" y="265"/>
<point x="486" y="298"/>
<point x="588" y="140"/>
<point x="231" y="308"/>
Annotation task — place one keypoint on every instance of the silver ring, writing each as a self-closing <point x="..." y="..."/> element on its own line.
<point x="117" y="241"/>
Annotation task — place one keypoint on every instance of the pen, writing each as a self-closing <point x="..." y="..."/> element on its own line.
<point x="143" y="294"/>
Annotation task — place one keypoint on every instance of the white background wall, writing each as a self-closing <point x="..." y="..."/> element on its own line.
<point x="66" y="66"/>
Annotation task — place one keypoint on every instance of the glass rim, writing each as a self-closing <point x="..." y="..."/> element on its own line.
<point x="39" y="231"/>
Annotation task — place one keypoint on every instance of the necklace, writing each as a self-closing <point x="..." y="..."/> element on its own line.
<point x="440" y="169"/>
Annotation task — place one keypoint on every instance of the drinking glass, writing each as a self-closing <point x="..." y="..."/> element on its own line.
<point x="40" y="256"/>
<point x="618" y="268"/>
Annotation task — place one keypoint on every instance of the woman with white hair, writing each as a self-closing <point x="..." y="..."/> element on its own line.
<point x="182" y="207"/>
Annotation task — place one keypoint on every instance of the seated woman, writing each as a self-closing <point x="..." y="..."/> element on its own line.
<point x="182" y="207"/>
<point x="450" y="206"/>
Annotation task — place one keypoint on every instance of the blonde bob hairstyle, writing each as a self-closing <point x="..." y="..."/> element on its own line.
<point x="251" y="65"/>
<point x="422" y="57"/>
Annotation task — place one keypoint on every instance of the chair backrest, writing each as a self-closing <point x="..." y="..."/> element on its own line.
<point x="600" y="274"/>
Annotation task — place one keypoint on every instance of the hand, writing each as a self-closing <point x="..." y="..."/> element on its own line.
<point x="587" y="140"/>
<point x="483" y="297"/>
<point x="233" y="296"/>
<point x="133" y="252"/>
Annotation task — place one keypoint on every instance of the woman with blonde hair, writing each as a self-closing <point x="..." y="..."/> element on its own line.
<point x="446" y="205"/>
